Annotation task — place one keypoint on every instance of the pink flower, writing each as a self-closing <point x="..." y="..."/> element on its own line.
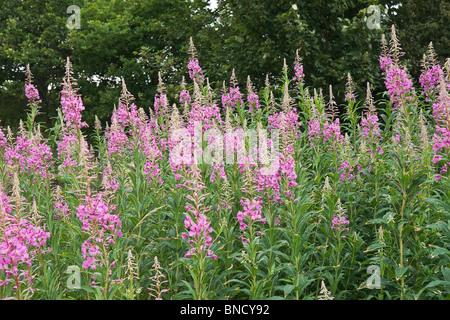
<point x="253" y="101"/>
<point x="349" y="90"/>
<point x="198" y="232"/>
<point x="21" y="240"/>
<point x="327" y="131"/>
<point x="232" y="98"/>
<point x="185" y="97"/>
<point x="398" y="82"/>
<point x="160" y="105"/>
<point x="126" y="114"/>
<point x="299" y="75"/>
<point x="195" y="71"/>
<point x="72" y="105"/>
<point x="340" y="223"/>
<point x="32" y="155"/>
<point x="61" y="208"/>
<point x="101" y="226"/>
<point x="250" y="213"/>
<point x="429" y="80"/>
<point x="71" y="102"/>
<point x="369" y="124"/>
<point x="285" y="120"/>
<point x="437" y="158"/>
<point x="441" y="106"/>
<point x="32" y="95"/>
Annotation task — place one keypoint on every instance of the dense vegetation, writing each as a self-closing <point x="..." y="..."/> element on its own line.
<point x="136" y="39"/>
<point x="327" y="204"/>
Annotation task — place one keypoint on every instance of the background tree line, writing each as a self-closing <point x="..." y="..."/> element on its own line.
<point x="136" y="39"/>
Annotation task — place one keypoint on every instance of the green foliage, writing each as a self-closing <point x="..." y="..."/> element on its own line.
<point x="396" y="205"/>
<point x="137" y="39"/>
<point x="331" y="36"/>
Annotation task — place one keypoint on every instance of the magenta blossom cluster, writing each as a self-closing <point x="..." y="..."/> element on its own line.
<point x="20" y="243"/>
<point x="350" y="90"/>
<point x="68" y="150"/>
<point x="31" y="155"/>
<point x="371" y="132"/>
<point x="185" y="96"/>
<point x="203" y="116"/>
<point x="72" y="106"/>
<point x="299" y="76"/>
<point x="283" y="167"/>
<point x="218" y="166"/>
<point x="441" y="138"/>
<point x="347" y="172"/>
<point x="278" y="185"/>
<point x="268" y="179"/>
<point x="251" y="213"/>
<point x="287" y="168"/>
<point x="129" y="131"/>
<point x="350" y="97"/>
<point x="328" y="131"/>
<point x="118" y="142"/>
<point x="69" y="145"/>
<point x="2" y="140"/>
<point x="398" y="83"/>
<point x="285" y="120"/>
<point x="110" y="182"/>
<point x="340" y="223"/>
<point x="180" y="152"/>
<point x="233" y="97"/>
<point x="32" y="95"/>
<point x="351" y="171"/>
<point x="442" y="118"/>
<point x="198" y="231"/>
<point x="101" y="226"/>
<point x="61" y="208"/>
<point x="71" y="102"/>
<point x="126" y="115"/>
<point x="429" y="81"/>
<point x="160" y="104"/>
<point x="253" y="102"/>
<point x="148" y="145"/>
<point x="195" y="71"/>
<point x="370" y="127"/>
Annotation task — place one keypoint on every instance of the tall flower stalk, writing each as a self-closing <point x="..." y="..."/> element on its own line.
<point x="21" y="240"/>
<point x="34" y="100"/>
<point x="198" y="232"/>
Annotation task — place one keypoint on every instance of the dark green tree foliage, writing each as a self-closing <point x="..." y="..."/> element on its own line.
<point x="130" y="39"/>
<point x="31" y="32"/>
<point x="332" y="38"/>
<point x="136" y="39"/>
<point x="419" y="22"/>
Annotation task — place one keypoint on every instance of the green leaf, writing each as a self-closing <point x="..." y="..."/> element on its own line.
<point x="191" y="289"/>
<point x="287" y="289"/>
<point x="375" y="246"/>
<point x="446" y="273"/>
<point x="400" y="272"/>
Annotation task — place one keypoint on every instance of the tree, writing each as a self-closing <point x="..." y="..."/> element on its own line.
<point x="132" y="39"/>
<point x="32" y="32"/>
<point x="419" y="22"/>
<point x="135" y="40"/>
<point x="254" y="37"/>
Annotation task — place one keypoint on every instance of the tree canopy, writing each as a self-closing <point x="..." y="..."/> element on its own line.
<point x="138" y="39"/>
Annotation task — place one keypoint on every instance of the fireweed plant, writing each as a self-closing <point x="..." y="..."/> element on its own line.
<point x="235" y="192"/>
